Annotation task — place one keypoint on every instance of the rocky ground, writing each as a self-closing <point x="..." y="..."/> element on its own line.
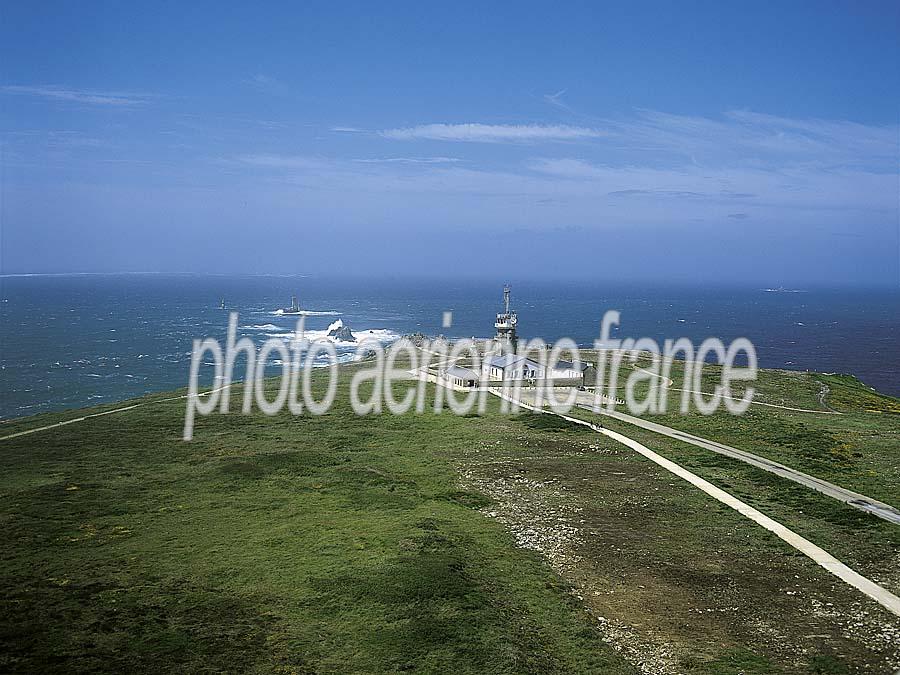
<point x="673" y="581"/>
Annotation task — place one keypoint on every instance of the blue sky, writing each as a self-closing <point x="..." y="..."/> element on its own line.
<point x="674" y="141"/>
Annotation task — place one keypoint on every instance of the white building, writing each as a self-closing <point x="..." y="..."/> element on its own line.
<point x="567" y="370"/>
<point x="461" y="377"/>
<point x="512" y="367"/>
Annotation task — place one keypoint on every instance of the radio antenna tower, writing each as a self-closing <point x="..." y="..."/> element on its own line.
<point x="506" y="325"/>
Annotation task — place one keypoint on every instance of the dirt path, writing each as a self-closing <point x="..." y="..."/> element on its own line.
<point x="101" y="414"/>
<point x="668" y="382"/>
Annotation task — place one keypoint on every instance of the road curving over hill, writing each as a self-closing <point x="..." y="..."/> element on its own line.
<point x="585" y="400"/>
<point x="818" y="555"/>
<point x="854" y="499"/>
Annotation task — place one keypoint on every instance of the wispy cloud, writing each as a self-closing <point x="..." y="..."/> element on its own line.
<point x="755" y="139"/>
<point x="492" y="133"/>
<point x="557" y="100"/>
<point x="289" y="162"/>
<point x="409" y="160"/>
<point x="652" y="165"/>
<point x="306" y="163"/>
<point x="680" y="194"/>
<point x="267" y="84"/>
<point x="82" y="96"/>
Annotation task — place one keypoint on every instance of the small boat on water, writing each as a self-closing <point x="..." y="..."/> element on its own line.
<point x="222" y="304"/>
<point x="294" y="308"/>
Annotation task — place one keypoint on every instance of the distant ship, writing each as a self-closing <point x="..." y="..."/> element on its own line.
<point x="222" y="304"/>
<point x="294" y="308"/>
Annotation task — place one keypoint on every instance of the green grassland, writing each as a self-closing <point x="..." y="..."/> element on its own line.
<point x="422" y="543"/>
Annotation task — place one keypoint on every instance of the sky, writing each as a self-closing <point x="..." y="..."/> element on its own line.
<point x="686" y="142"/>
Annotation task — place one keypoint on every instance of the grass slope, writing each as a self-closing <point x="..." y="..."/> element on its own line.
<point x="425" y="543"/>
<point x="331" y="544"/>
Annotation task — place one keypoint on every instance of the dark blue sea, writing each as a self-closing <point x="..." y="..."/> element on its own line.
<point x="76" y="340"/>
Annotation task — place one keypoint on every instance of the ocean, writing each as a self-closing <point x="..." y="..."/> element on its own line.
<point x="75" y="340"/>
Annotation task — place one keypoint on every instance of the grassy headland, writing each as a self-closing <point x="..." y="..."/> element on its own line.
<point x="421" y="543"/>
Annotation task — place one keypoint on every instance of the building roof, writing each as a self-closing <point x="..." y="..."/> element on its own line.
<point x="568" y="365"/>
<point x="507" y="360"/>
<point x="462" y="373"/>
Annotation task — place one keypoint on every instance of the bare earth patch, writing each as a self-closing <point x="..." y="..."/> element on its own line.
<point x="676" y="583"/>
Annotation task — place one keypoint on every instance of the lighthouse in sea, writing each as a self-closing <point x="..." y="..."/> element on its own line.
<point x="506" y="326"/>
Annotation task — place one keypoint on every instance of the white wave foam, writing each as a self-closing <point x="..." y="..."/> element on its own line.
<point x="382" y="335"/>
<point x="289" y="335"/>
<point x="305" y="312"/>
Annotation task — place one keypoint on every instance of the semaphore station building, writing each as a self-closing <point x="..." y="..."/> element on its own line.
<point x="507" y="366"/>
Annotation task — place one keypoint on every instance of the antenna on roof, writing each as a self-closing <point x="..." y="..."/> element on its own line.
<point x="506" y="290"/>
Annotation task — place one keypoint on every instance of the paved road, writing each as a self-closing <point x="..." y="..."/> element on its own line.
<point x="877" y="508"/>
<point x="873" y="506"/>
<point x="821" y="557"/>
